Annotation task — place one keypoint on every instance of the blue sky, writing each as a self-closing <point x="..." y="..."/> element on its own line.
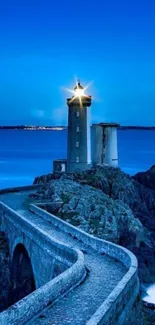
<point x="45" y="45"/>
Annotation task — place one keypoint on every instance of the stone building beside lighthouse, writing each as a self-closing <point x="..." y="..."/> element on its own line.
<point x="104" y="144"/>
<point x="86" y="146"/>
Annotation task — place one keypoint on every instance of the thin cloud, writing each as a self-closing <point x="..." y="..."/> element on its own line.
<point x="38" y="113"/>
<point x="59" y="115"/>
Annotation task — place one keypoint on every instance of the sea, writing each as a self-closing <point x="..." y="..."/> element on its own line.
<point x="25" y="154"/>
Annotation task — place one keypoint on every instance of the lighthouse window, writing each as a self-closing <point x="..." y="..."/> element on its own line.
<point x="77" y="114"/>
<point x="77" y="144"/>
<point x="77" y="159"/>
<point x="77" y="129"/>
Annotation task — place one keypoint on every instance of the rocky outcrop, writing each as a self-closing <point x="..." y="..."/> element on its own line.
<point x="141" y="201"/>
<point x="108" y="203"/>
<point x="45" y="178"/>
<point x="136" y="314"/>
<point x="92" y="210"/>
<point x="146" y="178"/>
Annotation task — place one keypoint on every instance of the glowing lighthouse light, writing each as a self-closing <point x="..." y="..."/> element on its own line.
<point x="79" y="93"/>
<point x="79" y="90"/>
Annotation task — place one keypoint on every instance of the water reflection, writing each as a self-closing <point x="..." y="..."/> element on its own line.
<point x="150" y="294"/>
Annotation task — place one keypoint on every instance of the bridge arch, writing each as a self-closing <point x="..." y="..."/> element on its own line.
<point x="22" y="276"/>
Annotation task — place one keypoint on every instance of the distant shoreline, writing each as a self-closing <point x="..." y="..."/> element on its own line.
<point x="34" y="128"/>
<point x="60" y="128"/>
<point x="136" y="127"/>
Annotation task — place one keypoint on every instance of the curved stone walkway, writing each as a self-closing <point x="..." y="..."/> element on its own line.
<point x="80" y="304"/>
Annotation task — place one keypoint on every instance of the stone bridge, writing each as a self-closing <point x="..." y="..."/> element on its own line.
<point x="72" y="277"/>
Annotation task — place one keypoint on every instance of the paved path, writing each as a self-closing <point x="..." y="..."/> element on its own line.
<point x="80" y="304"/>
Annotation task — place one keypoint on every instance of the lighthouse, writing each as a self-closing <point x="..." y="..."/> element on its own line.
<point x="86" y="147"/>
<point x="78" y="141"/>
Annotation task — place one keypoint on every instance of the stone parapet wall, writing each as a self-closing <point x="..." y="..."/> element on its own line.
<point x="40" y="237"/>
<point x="31" y="305"/>
<point x="118" y="304"/>
<point x="20" y="188"/>
<point x="115" y="308"/>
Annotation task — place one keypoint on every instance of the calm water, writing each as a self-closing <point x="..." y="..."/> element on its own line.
<point x="150" y="294"/>
<point x="25" y="154"/>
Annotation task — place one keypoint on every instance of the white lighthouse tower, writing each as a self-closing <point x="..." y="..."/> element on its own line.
<point x="78" y="142"/>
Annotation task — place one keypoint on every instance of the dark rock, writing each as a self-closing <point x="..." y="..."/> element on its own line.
<point x="146" y="178"/>
<point x="136" y="314"/>
<point x="45" y="178"/>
